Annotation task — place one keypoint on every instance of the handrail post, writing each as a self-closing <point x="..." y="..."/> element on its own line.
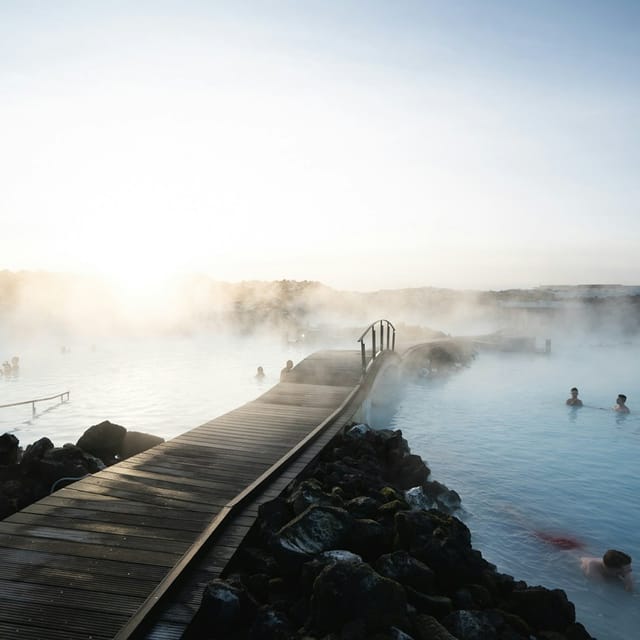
<point x="373" y="343"/>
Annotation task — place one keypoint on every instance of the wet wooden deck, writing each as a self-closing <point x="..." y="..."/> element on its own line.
<point x="85" y="561"/>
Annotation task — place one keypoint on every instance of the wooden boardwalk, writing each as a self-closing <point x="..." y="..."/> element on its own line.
<point x="89" y="560"/>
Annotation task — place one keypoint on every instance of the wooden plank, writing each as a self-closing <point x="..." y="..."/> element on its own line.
<point x="268" y="453"/>
<point x="75" y="578"/>
<point x="9" y="631"/>
<point x="261" y="422"/>
<point x="251" y="429"/>
<point x="212" y="458"/>
<point x="255" y="427"/>
<point x="85" y="536"/>
<point x="147" y="495"/>
<point x="267" y="447"/>
<point x="76" y="624"/>
<point x="195" y="486"/>
<point x="211" y="477"/>
<point x="276" y="413"/>
<point x="96" y="518"/>
<point x="82" y="550"/>
<point x="244" y="438"/>
<point x="222" y="457"/>
<point x="94" y="601"/>
<point x="31" y="560"/>
<point x="176" y="466"/>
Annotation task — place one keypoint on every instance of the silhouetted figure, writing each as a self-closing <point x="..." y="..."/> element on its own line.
<point x="285" y="372"/>
<point x="574" y="401"/>
<point x="260" y="374"/>
<point x="620" y="405"/>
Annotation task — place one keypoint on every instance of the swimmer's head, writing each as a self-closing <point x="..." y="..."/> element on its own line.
<point x="614" y="559"/>
<point x="622" y="397"/>
<point x="574" y="391"/>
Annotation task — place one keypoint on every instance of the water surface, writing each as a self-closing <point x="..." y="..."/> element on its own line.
<point x="161" y="385"/>
<point x="498" y="432"/>
<point x="527" y="467"/>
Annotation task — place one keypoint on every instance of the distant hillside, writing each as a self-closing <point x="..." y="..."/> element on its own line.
<point x="34" y="301"/>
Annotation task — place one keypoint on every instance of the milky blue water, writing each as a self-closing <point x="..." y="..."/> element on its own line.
<point x="500" y="434"/>
<point x="163" y="386"/>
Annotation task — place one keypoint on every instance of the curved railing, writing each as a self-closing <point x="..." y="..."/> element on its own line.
<point x="33" y="402"/>
<point x="377" y="341"/>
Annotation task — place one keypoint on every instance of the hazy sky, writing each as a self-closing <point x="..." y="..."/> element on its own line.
<point x="364" y="144"/>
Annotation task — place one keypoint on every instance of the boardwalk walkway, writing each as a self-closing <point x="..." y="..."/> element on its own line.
<point x="89" y="560"/>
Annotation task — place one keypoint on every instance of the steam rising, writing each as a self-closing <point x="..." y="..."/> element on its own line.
<point x="40" y="303"/>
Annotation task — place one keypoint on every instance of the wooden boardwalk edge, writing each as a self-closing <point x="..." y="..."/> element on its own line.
<point x="155" y="598"/>
<point x="111" y="556"/>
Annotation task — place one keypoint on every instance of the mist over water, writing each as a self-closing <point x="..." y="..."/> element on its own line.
<point x="498" y="432"/>
<point x="163" y="356"/>
<point x="163" y="385"/>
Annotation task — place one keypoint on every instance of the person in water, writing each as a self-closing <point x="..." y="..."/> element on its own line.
<point x="620" y="405"/>
<point x="285" y="372"/>
<point x="260" y="373"/>
<point x="614" y="565"/>
<point x="574" y="401"/>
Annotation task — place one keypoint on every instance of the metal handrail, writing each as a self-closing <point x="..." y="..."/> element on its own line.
<point x="391" y="341"/>
<point x="33" y="402"/>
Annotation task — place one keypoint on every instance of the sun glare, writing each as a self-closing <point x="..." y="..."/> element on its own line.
<point x="140" y="287"/>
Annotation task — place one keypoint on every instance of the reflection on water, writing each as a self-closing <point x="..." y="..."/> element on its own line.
<point x="541" y="485"/>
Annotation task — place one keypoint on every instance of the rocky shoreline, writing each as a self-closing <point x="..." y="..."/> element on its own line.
<point x="363" y="546"/>
<point x="41" y="468"/>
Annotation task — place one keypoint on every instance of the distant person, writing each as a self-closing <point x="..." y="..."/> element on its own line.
<point x="285" y="372"/>
<point x="15" y="363"/>
<point x="620" y="405"/>
<point x="260" y="374"/>
<point x="574" y="401"/>
<point x="614" y="565"/>
<point x="6" y="367"/>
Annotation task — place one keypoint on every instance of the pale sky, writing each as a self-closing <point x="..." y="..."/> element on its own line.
<point x="364" y="144"/>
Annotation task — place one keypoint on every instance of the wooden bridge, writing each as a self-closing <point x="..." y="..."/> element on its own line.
<point x="126" y="552"/>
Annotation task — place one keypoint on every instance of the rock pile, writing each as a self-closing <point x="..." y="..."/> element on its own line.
<point x="29" y="475"/>
<point x="365" y="546"/>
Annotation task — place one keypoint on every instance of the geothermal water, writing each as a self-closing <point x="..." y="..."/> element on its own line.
<point x="163" y="386"/>
<point x="531" y="470"/>
<point x="498" y="432"/>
